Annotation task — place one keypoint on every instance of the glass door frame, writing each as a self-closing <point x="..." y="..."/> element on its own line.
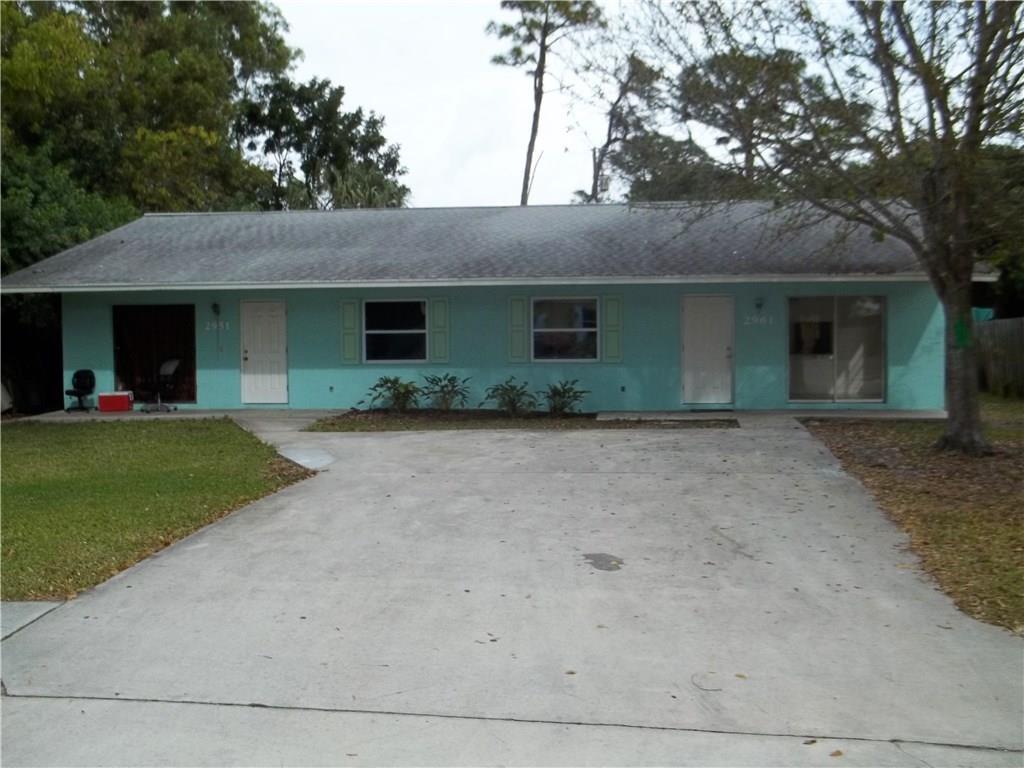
<point x="835" y="297"/>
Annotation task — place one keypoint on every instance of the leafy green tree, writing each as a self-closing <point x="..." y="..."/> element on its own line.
<point x="340" y="159"/>
<point x="151" y="102"/>
<point x="998" y="220"/>
<point x="242" y="41"/>
<point x="366" y="185"/>
<point x="190" y="169"/>
<point x="895" y="96"/>
<point x="657" y="168"/>
<point x="741" y="96"/>
<point x="48" y="70"/>
<point x="532" y="37"/>
<point x="44" y="211"/>
<point x="86" y="77"/>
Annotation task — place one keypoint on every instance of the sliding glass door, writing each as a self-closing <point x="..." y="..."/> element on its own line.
<point x="812" y="348"/>
<point x="837" y="348"/>
<point x="860" y="348"/>
<point x="155" y="351"/>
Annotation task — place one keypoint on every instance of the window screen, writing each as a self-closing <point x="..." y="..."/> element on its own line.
<point x="565" y="329"/>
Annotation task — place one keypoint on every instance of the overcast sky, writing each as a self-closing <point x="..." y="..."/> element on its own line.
<point x="462" y="122"/>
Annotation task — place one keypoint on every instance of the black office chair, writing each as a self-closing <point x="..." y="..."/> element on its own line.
<point x="166" y="387"/>
<point x="83" y="384"/>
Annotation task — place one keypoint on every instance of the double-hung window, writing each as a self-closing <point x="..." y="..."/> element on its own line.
<point x="564" y="329"/>
<point x="395" y="331"/>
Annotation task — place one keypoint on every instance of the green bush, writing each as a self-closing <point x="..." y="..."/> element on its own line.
<point x="446" y="391"/>
<point x="563" y="397"/>
<point x="393" y="393"/>
<point x="511" y="397"/>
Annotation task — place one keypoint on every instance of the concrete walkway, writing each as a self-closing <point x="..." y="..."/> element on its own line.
<point x="697" y="597"/>
<point x="17" y="614"/>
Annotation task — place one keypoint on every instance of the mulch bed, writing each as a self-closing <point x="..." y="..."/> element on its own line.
<point x="428" y="419"/>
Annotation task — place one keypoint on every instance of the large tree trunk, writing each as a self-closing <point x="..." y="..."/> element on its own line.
<point x="963" y="425"/>
<point x="598" y="157"/>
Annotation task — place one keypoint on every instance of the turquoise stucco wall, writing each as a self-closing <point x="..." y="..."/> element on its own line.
<point x="648" y="378"/>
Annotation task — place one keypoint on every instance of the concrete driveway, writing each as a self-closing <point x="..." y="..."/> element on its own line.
<point x="638" y="596"/>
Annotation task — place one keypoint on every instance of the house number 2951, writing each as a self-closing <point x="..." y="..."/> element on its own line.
<point x="758" y="320"/>
<point x="217" y="325"/>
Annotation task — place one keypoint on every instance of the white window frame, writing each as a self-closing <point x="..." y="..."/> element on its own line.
<point x="425" y="331"/>
<point x="596" y="330"/>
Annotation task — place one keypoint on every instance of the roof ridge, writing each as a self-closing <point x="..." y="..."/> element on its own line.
<point x="618" y="204"/>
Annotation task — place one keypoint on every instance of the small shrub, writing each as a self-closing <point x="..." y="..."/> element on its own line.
<point x="446" y="392"/>
<point x="391" y="392"/>
<point x="564" y="397"/>
<point x="514" y="398"/>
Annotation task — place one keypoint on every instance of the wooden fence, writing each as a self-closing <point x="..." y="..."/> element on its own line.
<point x="1001" y="356"/>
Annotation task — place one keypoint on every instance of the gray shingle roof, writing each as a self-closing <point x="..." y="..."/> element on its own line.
<point x="537" y="243"/>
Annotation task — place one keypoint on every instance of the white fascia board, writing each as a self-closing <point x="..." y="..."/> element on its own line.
<point x="488" y="282"/>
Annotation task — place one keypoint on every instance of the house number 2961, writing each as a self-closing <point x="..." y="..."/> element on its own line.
<point x="758" y="320"/>
<point x="217" y="325"/>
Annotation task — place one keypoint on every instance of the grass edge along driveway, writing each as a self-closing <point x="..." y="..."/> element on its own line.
<point x="82" y="502"/>
<point x="964" y="515"/>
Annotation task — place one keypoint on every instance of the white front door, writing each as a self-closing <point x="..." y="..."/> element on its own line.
<point x="707" y="349"/>
<point x="264" y="352"/>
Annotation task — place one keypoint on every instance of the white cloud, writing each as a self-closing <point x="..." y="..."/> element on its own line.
<point x="462" y="122"/>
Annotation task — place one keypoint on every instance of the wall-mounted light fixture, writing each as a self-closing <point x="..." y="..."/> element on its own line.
<point x="215" y="308"/>
<point x="759" y="303"/>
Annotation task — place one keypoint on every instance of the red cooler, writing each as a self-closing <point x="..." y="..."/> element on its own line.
<point x="112" y="402"/>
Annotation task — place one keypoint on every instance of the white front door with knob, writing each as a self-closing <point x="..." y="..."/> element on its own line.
<point x="264" y="352"/>
<point x="707" y="333"/>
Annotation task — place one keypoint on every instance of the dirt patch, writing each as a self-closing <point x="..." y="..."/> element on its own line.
<point x="964" y="515"/>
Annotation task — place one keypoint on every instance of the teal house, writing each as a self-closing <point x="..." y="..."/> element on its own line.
<point x="650" y="307"/>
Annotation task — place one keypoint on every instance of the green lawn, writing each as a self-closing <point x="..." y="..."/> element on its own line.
<point x="81" y="502"/>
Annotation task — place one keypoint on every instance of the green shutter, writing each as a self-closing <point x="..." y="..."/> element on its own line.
<point x="611" y="322"/>
<point x="439" y="330"/>
<point x="350" y="332"/>
<point x="518" y="329"/>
